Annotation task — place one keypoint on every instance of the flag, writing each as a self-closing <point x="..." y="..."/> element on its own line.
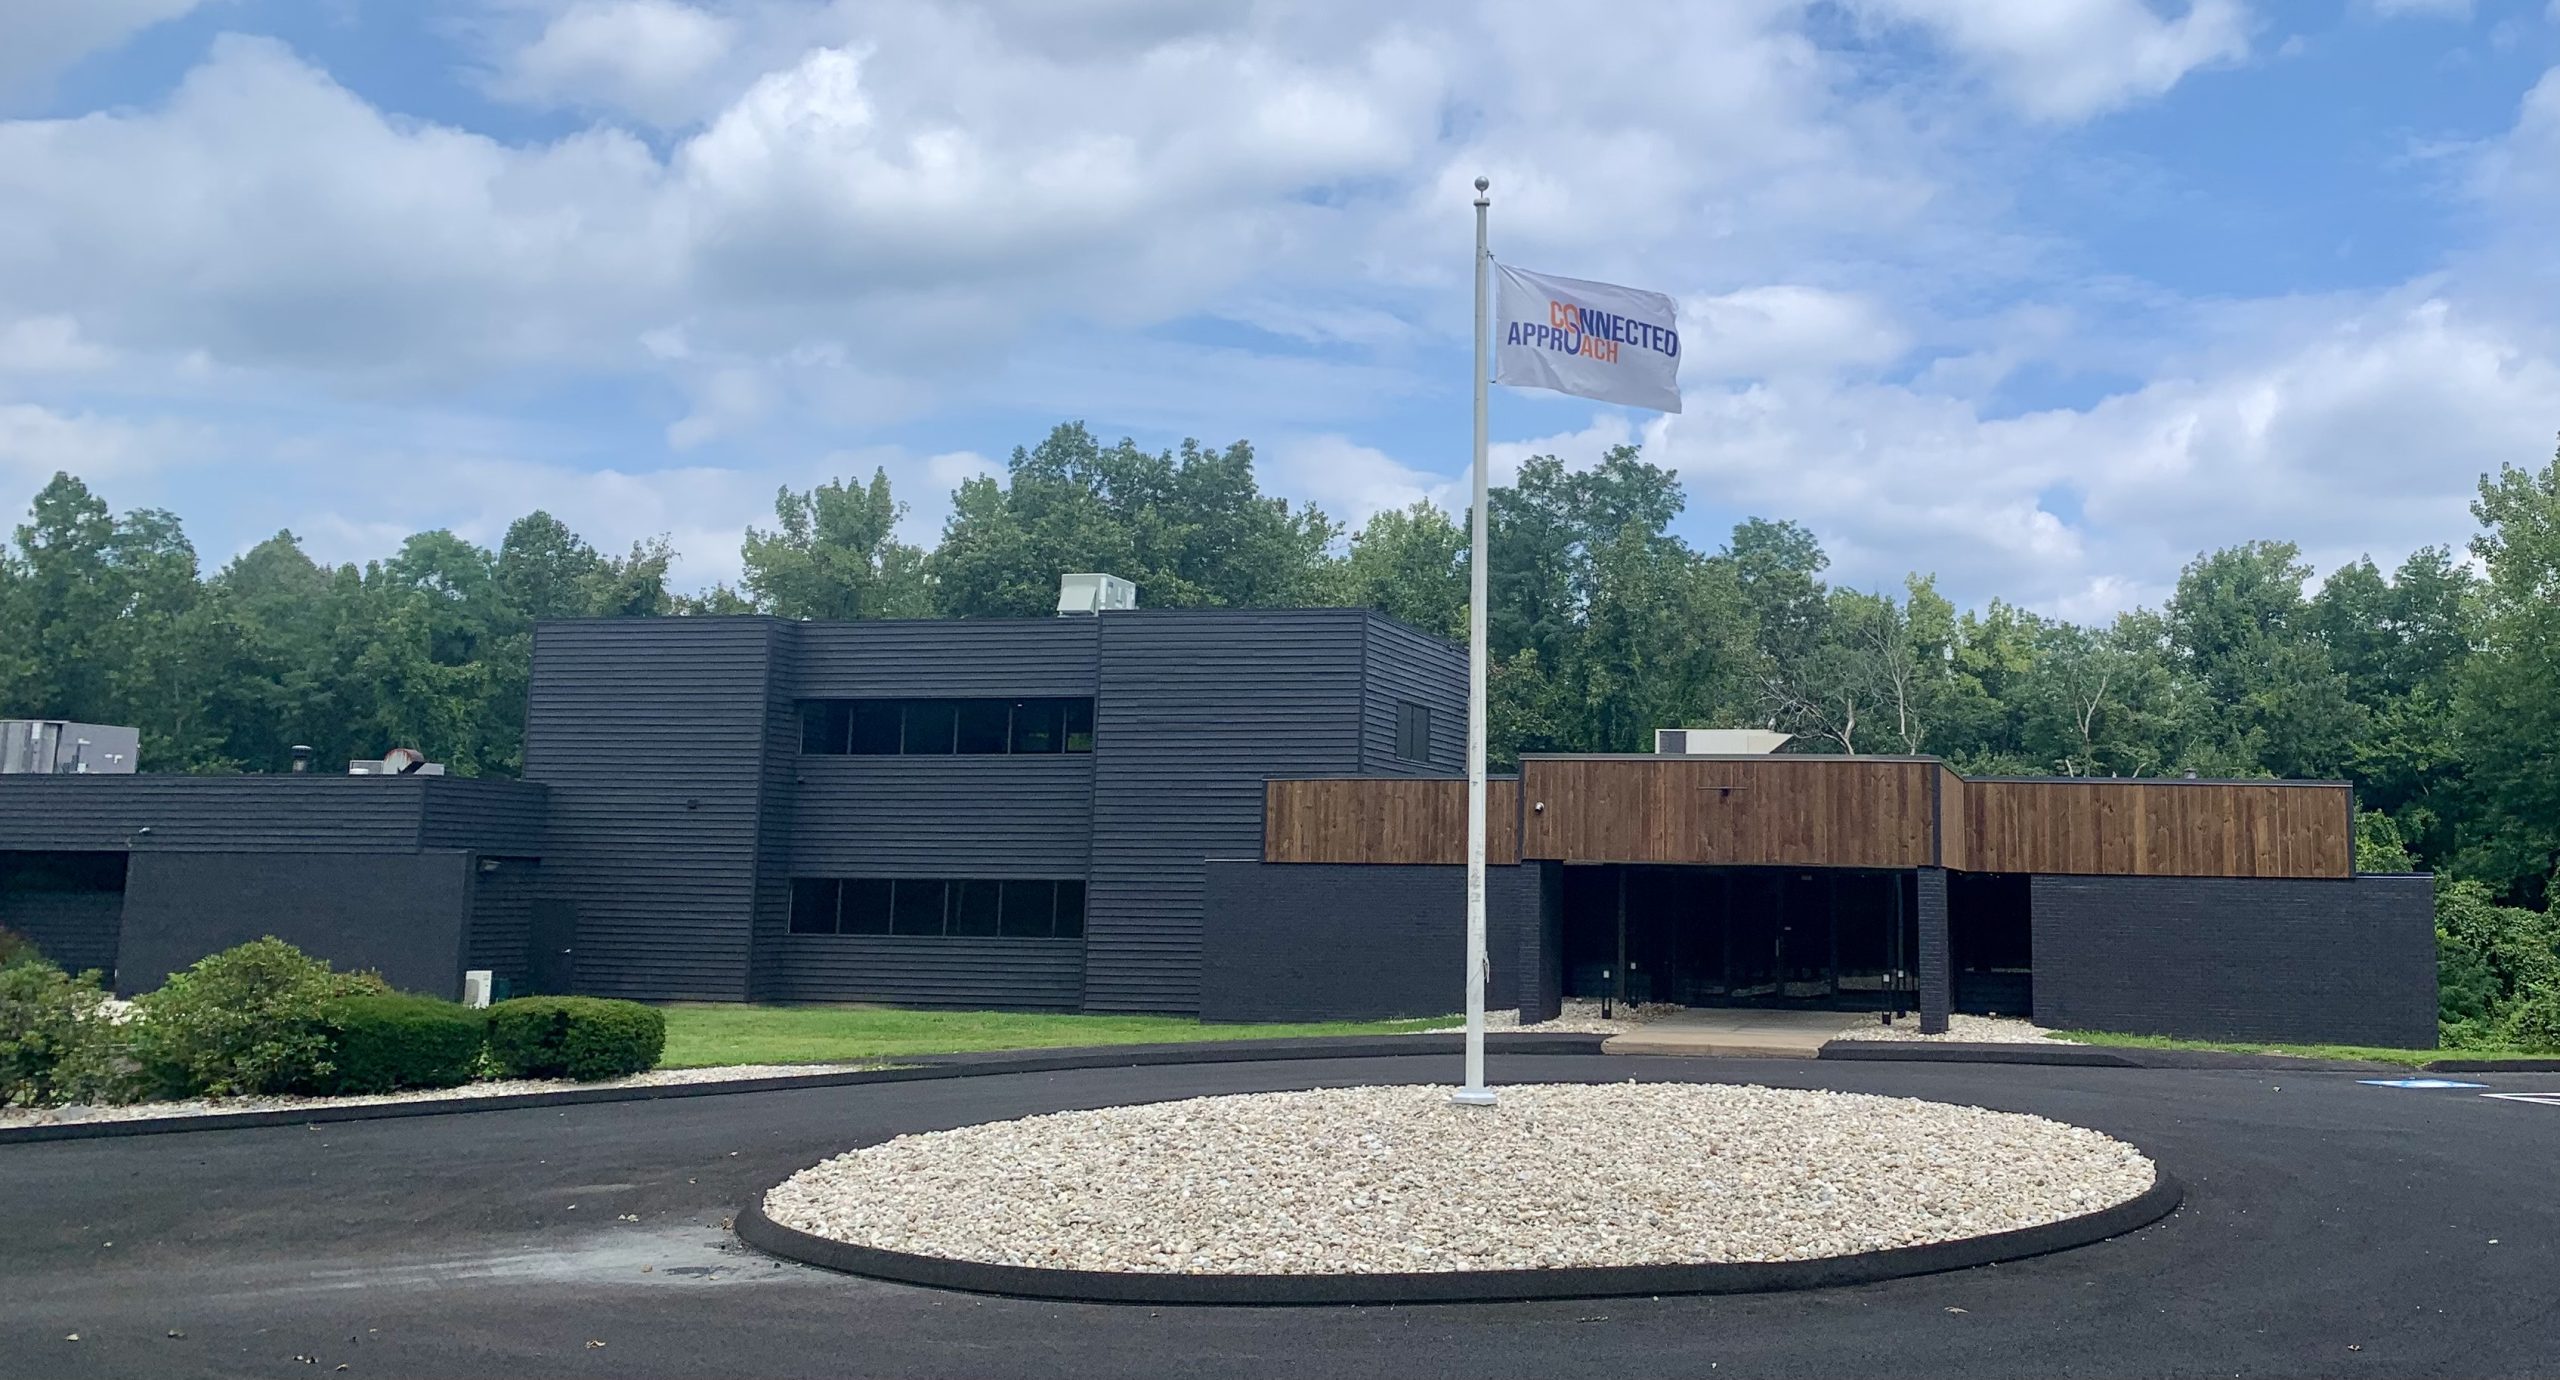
<point x="1593" y="340"/>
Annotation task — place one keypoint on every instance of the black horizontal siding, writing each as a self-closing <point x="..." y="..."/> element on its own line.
<point x="1194" y="709"/>
<point x="650" y="735"/>
<point x="213" y="814"/>
<point x="1359" y="942"/>
<point x="950" y="972"/>
<point x="1402" y="664"/>
<point x="943" y="816"/>
<point x="2329" y="960"/>
<point x="76" y="929"/>
<point x="947" y="658"/>
<point x="502" y="918"/>
<point x="484" y="814"/>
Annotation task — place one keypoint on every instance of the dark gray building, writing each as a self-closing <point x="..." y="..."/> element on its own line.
<point x="1239" y="815"/>
<point x="1006" y="813"/>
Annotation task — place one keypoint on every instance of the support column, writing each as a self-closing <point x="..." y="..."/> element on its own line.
<point x="1937" y="971"/>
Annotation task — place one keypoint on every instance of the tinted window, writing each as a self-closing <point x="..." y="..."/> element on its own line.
<point x="887" y="728"/>
<point x="823" y="724"/>
<point x="1036" y="726"/>
<point x="975" y="907"/>
<point x="865" y="907"/>
<point x="1028" y="907"/>
<point x="929" y="727"/>
<point x="935" y="907"/>
<point x="982" y="725"/>
<point x="918" y="907"/>
<point x="1413" y="731"/>
<point x="875" y="727"/>
<point x="813" y="906"/>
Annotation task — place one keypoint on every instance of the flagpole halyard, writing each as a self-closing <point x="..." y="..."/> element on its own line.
<point x="1475" y="1093"/>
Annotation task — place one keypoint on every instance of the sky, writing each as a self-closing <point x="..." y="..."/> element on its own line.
<point x="2042" y="297"/>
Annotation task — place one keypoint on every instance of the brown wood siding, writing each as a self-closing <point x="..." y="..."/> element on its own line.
<point x="2157" y="828"/>
<point x="1385" y="820"/>
<point x="1954" y="840"/>
<point x="1781" y="811"/>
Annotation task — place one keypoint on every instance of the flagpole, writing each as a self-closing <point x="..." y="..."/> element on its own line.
<point x="1475" y="1093"/>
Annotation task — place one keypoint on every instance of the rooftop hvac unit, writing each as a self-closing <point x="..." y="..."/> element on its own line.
<point x="1094" y="593"/>
<point x="59" y="747"/>
<point x="1717" y="742"/>
<point x="396" y="762"/>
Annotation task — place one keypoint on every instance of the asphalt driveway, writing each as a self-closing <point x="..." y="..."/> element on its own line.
<point x="2330" y="1228"/>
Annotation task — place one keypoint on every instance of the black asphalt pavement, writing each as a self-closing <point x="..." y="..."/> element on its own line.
<point x="2330" y="1228"/>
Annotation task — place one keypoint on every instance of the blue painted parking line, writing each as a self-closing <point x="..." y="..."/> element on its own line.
<point x="2417" y="1083"/>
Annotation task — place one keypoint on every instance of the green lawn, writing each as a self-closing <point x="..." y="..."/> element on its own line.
<point x="2369" y="1053"/>
<point x="706" y="1035"/>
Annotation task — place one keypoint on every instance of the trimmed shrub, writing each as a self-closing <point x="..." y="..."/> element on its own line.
<point x="57" y="1043"/>
<point x="246" y="1020"/>
<point x="381" y="1044"/>
<point x="574" y="1037"/>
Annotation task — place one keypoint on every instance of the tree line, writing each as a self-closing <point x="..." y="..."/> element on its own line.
<point x="2433" y="686"/>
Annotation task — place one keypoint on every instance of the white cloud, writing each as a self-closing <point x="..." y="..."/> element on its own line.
<point x="36" y="442"/>
<point x="1785" y="329"/>
<point x="648" y="58"/>
<point x="2071" y="59"/>
<point x="46" y="344"/>
<point x="2434" y="9"/>
<point x="2363" y="435"/>
<point x="1350" y="481"/>
<point x="40" y="38"/>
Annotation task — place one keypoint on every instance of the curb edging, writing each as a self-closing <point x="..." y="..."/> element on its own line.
<point x="916" y="1068"/>
<point x="1963" y="1052"/>
<point x="1457" y="1286"/>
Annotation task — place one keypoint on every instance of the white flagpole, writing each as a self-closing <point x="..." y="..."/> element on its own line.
<point x="1475" y="1093"/>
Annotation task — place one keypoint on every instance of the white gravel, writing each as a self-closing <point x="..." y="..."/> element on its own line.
<point x="1978" y="1030"/>
<point x="502" y="1087"/>
<point x="1367" y="1180"/>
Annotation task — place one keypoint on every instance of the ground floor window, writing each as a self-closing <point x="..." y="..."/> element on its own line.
<point x="1007" y="908"/>
<point x="1741" y="936"/>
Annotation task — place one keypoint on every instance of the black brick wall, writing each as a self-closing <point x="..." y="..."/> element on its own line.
<point x="1937" y="970"/>
<point x="1344" y="942"/>
<point x="2343" y="961"/>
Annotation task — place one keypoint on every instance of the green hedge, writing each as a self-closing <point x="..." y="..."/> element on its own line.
<point x="381" y="1044"/>
<point x="56" y="1042"/>
<point x="574" y="1037"/>
<point x="245" y="1020"/>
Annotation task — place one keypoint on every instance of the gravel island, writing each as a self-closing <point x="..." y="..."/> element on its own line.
<point x="1395" y="1180"/>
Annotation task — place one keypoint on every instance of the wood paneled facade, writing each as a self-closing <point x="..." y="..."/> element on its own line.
<point x="2157" y="828"/>
<point x="1385" y="819"/>
<point x="1801" y="810"/>
<point x="1843" y="811"/>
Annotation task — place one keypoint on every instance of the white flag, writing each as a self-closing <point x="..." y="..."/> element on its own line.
<point x="1593" y="340"/>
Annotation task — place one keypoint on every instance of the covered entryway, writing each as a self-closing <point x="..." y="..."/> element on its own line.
<point x="1821" y="938"/>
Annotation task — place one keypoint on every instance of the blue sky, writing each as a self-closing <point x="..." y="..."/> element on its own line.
<point x="2040" y="296"/>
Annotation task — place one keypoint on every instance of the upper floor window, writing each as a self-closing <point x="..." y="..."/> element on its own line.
<point x="924" y="728"/>
<point x="1413" y="731"/>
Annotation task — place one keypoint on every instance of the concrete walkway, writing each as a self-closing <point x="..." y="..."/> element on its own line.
<point x="1798" y="1034"/>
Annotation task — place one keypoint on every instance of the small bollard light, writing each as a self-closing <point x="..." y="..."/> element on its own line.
<point x="1605" y="991"/>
